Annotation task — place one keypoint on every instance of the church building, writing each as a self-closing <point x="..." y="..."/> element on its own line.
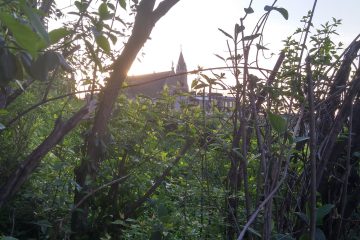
<point x="152" y="85"/>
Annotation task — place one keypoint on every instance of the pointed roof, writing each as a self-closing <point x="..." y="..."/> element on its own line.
<point x="181" y="65"/>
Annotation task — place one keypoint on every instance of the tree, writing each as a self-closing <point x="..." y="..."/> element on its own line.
<point x="145" y="20"/>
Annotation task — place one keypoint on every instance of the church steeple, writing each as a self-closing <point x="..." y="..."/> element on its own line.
<point x="181" y="68"/>
<point x="181" y="65"/>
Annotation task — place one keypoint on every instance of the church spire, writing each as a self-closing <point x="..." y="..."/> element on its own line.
<point x="181" y="68"/>
<point x="181" y="65"/>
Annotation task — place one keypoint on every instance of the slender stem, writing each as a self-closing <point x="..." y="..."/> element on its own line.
<point x="312" y="150"/>
<point x="347" y="173"/>
<point x="266" y="200"/>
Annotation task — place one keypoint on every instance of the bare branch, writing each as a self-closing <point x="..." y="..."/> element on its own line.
<point x="163" y="8"/>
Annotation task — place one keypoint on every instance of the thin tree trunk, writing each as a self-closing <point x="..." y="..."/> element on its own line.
<point x="145" y="20"/>
<point x="23" y="172"/>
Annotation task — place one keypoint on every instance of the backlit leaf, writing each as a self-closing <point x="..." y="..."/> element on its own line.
<point x="103" y="43"/>
<point x="93" y="55"/>
<point x="35" y="21"/>
<point x="319" y="234"/>
<point x="23" y="34"/>
<point x="194" y="83"/>
<point x="122" y="4"/>
<point x="57" y="34"/>
<point x="201" y="85"/>
<point x="321" y="212"/>
<point x="103" y="10"/>
<point x="277" y="122"/>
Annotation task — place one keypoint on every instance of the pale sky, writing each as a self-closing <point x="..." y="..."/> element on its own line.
<point x="192" y="25"/>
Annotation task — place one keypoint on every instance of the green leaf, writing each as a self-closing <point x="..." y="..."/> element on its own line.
<point x="93" y="55"/>
<point x="225" y="33"/>
<point x="20" y="85"/>
<point x="283" y="12"/>
<point x="162" y="211"/>
<point x="23" y="34"/>
<point x="301" y="139"/>
<point x="57" y="34"/>
<point x="8" y="67"/>
<point x="277" y="122"/>
<point x="119" y="222"/>
<point x="201" y="85"/>
<point x="122" y="4"/>
<point x="8" y="238"/>
<point x="322" y="212"/>
<point x="356" y="154"/>
<point x="194" y="83"/>
<point x="3" y="112"/>
<point x="206" y="77"/>
<point x="81" y="6"/>
<point x="319" y="234"/>
<point x="103" y="11"/>
<point x="103" y="43"/>
<point x="35" y="21"/>
<point x="249" y="10"/>
<point x="113" y="38"/>
<point x="305" y="236"/>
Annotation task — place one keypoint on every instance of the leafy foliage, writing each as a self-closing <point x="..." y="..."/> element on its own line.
<point x="196" y="172"/>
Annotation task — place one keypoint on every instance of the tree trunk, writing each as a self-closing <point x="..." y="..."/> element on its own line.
<point x="23" y="172"/>
<point x="145" y="20"/>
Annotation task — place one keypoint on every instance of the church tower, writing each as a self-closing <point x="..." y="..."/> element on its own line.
<point x="181" y="68"/>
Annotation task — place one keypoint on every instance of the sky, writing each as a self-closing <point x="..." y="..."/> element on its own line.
<point x="192" y="26"/>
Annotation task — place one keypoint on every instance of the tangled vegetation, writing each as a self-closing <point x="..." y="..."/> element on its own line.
<point x="283" y="163"/>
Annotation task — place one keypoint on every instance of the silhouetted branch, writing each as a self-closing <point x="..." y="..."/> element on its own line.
<point x="18" y="177"/>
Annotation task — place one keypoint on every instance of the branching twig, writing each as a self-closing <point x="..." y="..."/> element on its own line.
<point x="92" y="192"/>
<point x="266" y="200"/>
